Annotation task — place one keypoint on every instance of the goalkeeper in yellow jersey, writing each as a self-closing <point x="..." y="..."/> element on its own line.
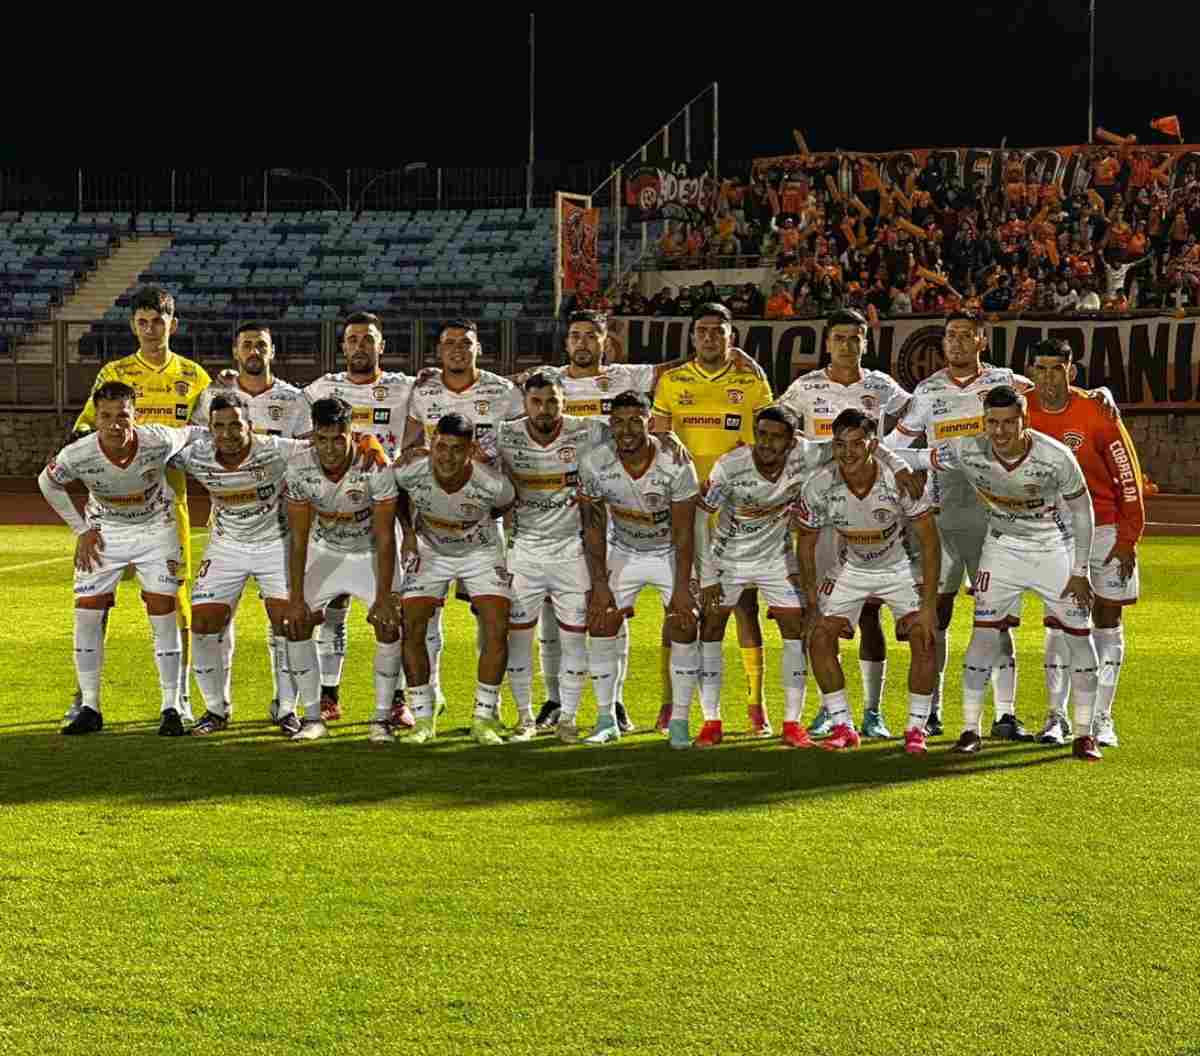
<point x="167" y="388"/>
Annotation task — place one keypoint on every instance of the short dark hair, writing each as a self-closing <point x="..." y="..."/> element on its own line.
<point x="970" y="317"/>
<point x="458" y="324"/>
<point x="1056" y="347"/>
<point x="1003" y="396"/>
<point x="331" y="410"/>
<point x="598" y="319"/>
<point x="539" y="380"/>
<point x="250" y="326"/>
<point x="114" y="390"/>
<point x="226" y="401"/>
<point x="846" y="317"/>
<point x="712" y="308"/>
<point x="631" y="400"/>
<point x="852" y="418"/>
<point x="775" y="412"/>
<point x="369" y="318"/>
<point x="455" y="425"/>
<point x="153" y="299"/>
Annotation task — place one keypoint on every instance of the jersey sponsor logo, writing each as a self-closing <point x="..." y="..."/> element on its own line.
<point x="1032" y="489"/>
<point x="733" y="421"/>
<point x="1008" y="503"/>
<point x="567" y="454"/>
<point x="640" y="516"/>
<point x="260" y="474"/>
<point x="363" y="415"/>
<point x="445" y="526"/>
<point x="380" y="392"/>
<point x="136" y="499"/>
<point x="544" y="482"/>
<point x="266" y="491"/>
<point x="588" y="408"/>
<point x="735" y="395"/>
<point x="381" y="416"/>
<point x="859" y="537"/>
<point x="958" y="427"/>
<point x="238" y="498"/>
<point x="703" y="421"/>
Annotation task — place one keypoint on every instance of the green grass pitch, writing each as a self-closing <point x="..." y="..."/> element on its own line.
<point x="241" y="894"/>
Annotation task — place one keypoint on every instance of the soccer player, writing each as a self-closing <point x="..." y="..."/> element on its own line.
<point x="710" y="402"/>
<point x="949" y="404"/>
<point x="274" y="408"/>
<point x="861" y="499"/>
<point x="380" y="400"/>
<point x="1040" y="528"/>
<point x="817" y="398"/>
<point x="350" y="514"/>
<point x="1114" y="480"/>
<point x="541" y="454"/>
<point x="129" y="522"/>
<point x="449" y="505"/>
<point x="167" y="387"/>
<point x="652" y="498"/>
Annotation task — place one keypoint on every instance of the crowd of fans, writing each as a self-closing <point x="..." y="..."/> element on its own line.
<point x="935" y="245"/>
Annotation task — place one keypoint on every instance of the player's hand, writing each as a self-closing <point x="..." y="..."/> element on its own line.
<point x="371" y="454"/>
<point x="383" y="613"/>
<point x="297" y="620"/>
<point x="426" y="374"/>
<point x="913" y="482"/>
<point x="682" y="609"/>
<point x="87" y="550"/>
<point x="710" y="599"/>
<point x="1104" y="397"/>
<point x="602" y="606"/>
<point x="226" y="378"/>
<point x="808" y="623"/>
<point x="1080" y="589"/>
<point x="410" y="559"/>
<point x="673" y="446"/>
<point x="411" y="454"/>
<point x="1125" y="555"/>
<point x="925" y="624"/>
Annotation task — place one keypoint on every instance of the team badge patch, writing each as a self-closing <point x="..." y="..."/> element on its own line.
<point x="735" y="395"/>
<point x="882" y="516"/>
<point x="686" y="399"/>
<point x="380" y="392"/>
<point x="1073" y="440"/>
<point x="567" y="454"/>
<point x="275" y="413"/>
<point x="354" y="495"/>
<point x="603" y="384"/>
<point x="654" y="501"/>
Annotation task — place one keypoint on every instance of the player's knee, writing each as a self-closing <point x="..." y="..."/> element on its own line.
<point x="1106" y="617"/>
<point x="99" y="601"/>
<point x="159" y="604"/>
<point x="210" y="619"/>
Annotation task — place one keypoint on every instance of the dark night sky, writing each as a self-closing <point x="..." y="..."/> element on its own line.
<point x="454" y="89"/>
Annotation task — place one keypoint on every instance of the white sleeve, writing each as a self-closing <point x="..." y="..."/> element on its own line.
<point x="916" y="459"/>
<point x="61" y="502"/>
<point x="1083" y="526"/>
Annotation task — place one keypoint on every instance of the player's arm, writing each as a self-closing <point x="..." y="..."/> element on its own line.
<point x="298" y="616"/>
<point x="1120" y="458"/>
<point x="594" y="516"/>
<point x="383" y="518"/>
<point x="1083" y="527"/>
<point x="683" y="538"/>
<point x="925" y="529"/>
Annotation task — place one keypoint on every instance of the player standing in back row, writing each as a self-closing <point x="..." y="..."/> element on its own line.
<point x="710" y="403"/>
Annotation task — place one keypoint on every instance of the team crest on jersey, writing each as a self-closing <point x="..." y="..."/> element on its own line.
<point x="148" y="475"/>
<point x="139" y="392"/>
<point x="380" y="392"/>
<point x="567" y="454"/>
<point x="882" y="516"/>
<point x="869" y="403"/>
<point x="260" y="474"/>
<point x="355" y="495"/>
<point x="686" y="399"/>
<point x="653" y="500"/>
<point x="1073" y="440"/>
<point x="920" y="356"/>
<point x="182" y="387"/>
<point x="603" y="384"/>
<point x="735" y="395"/>
<point x="275" y="413"/>
<point x="469" y="509"/>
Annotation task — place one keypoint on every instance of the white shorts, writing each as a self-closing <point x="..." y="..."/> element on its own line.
<point x="565" y="583"/>
<point x="154" y="555"/>
<point x="962" y="545"/>
<point x="221" y="576"/>
<point x="1005" y="575"/>
<point x="843" y="596"/>
<point x="779" y="592"/>
<point x="1106" y="579"/>
<point x="478" y="573"/>
<point x="331" y="573"/>
<point x="629" y="572"/>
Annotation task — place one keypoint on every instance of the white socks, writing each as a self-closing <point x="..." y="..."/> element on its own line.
<point x="942" y="646"/>
<point x="981" y="656"/>
<point x="305" y="670"/>
<point x="209" y="668"/>
<point x="685" y="677"/>
<point x="551" y="651"/>
<point x="712" y="670"/>
<point x="331" y="645"/>
<point x="285" y="685"/>
<point x="487" y="702"/>
<point x="433" y="648"/>
<point x="1083" y="681"/>
<point x="1004" y="677"/>
<point x="622" y="661"/>
<point x="1110" y="646"/>
<point x="1058" y="670"/>
<point x="873" y="674"/>
<point x="420" y="699"/>
<point x="387" y="673"/>
<point x="574" y="673"/>
<point x="167" y="649"/>
<point x="520" y="671"/>
<point x="228" y="639"/>
<point x="795" y="669"/>
<point x="604" y="659"/>
<point x="89" y="654"/>
<point x="918" y="710"/>
<point x="837" y="706"/>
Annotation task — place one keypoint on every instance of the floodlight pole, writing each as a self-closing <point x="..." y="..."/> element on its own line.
<point x="532" y="65"/>
<point x="1092" y="72"/>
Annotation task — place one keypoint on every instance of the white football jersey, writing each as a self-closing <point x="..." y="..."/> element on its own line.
<point x="247" y="500"/>
<point x="460" y="523"/>
<point x="485" y="404"/>
<point x="752" y="511"/>
<point x="941" y="409"/>
<point x="342" y="508"/>
<point x="380" y="406"/>
<point x="283" y="410"/>
<point x="817" y="399"/>
<point x="546" y="477"/>
<point x="134" y="495"/>
<point x="1024" y="499"/>
<point x="592" y="397"/>
<point x="639" y="509"/>
<point x="870" y="527"/>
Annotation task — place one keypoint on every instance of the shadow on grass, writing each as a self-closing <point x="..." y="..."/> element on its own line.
<point x="641" y="775"/>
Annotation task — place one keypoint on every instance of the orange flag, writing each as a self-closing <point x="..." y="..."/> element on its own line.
<point x="1168" y="126"/>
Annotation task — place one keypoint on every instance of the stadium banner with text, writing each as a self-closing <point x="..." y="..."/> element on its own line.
<point x="577" y="260"/>
<point x="1069" y="168"/>
<point x="1149" y="362"/>
<point x="669" y="190"/>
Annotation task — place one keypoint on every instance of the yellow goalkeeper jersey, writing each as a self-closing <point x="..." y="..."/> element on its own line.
<point x="711" y="413"/>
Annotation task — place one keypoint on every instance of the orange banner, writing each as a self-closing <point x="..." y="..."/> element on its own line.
<point x="580" y="255"/>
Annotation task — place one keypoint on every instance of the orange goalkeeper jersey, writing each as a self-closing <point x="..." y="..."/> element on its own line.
<point x="1106" y="456"/>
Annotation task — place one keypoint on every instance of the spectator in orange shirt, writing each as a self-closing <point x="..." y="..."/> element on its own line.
<point x="1105" y="171"/>
<point x="1114" y="478"/>
<point x="780" y="304"/>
